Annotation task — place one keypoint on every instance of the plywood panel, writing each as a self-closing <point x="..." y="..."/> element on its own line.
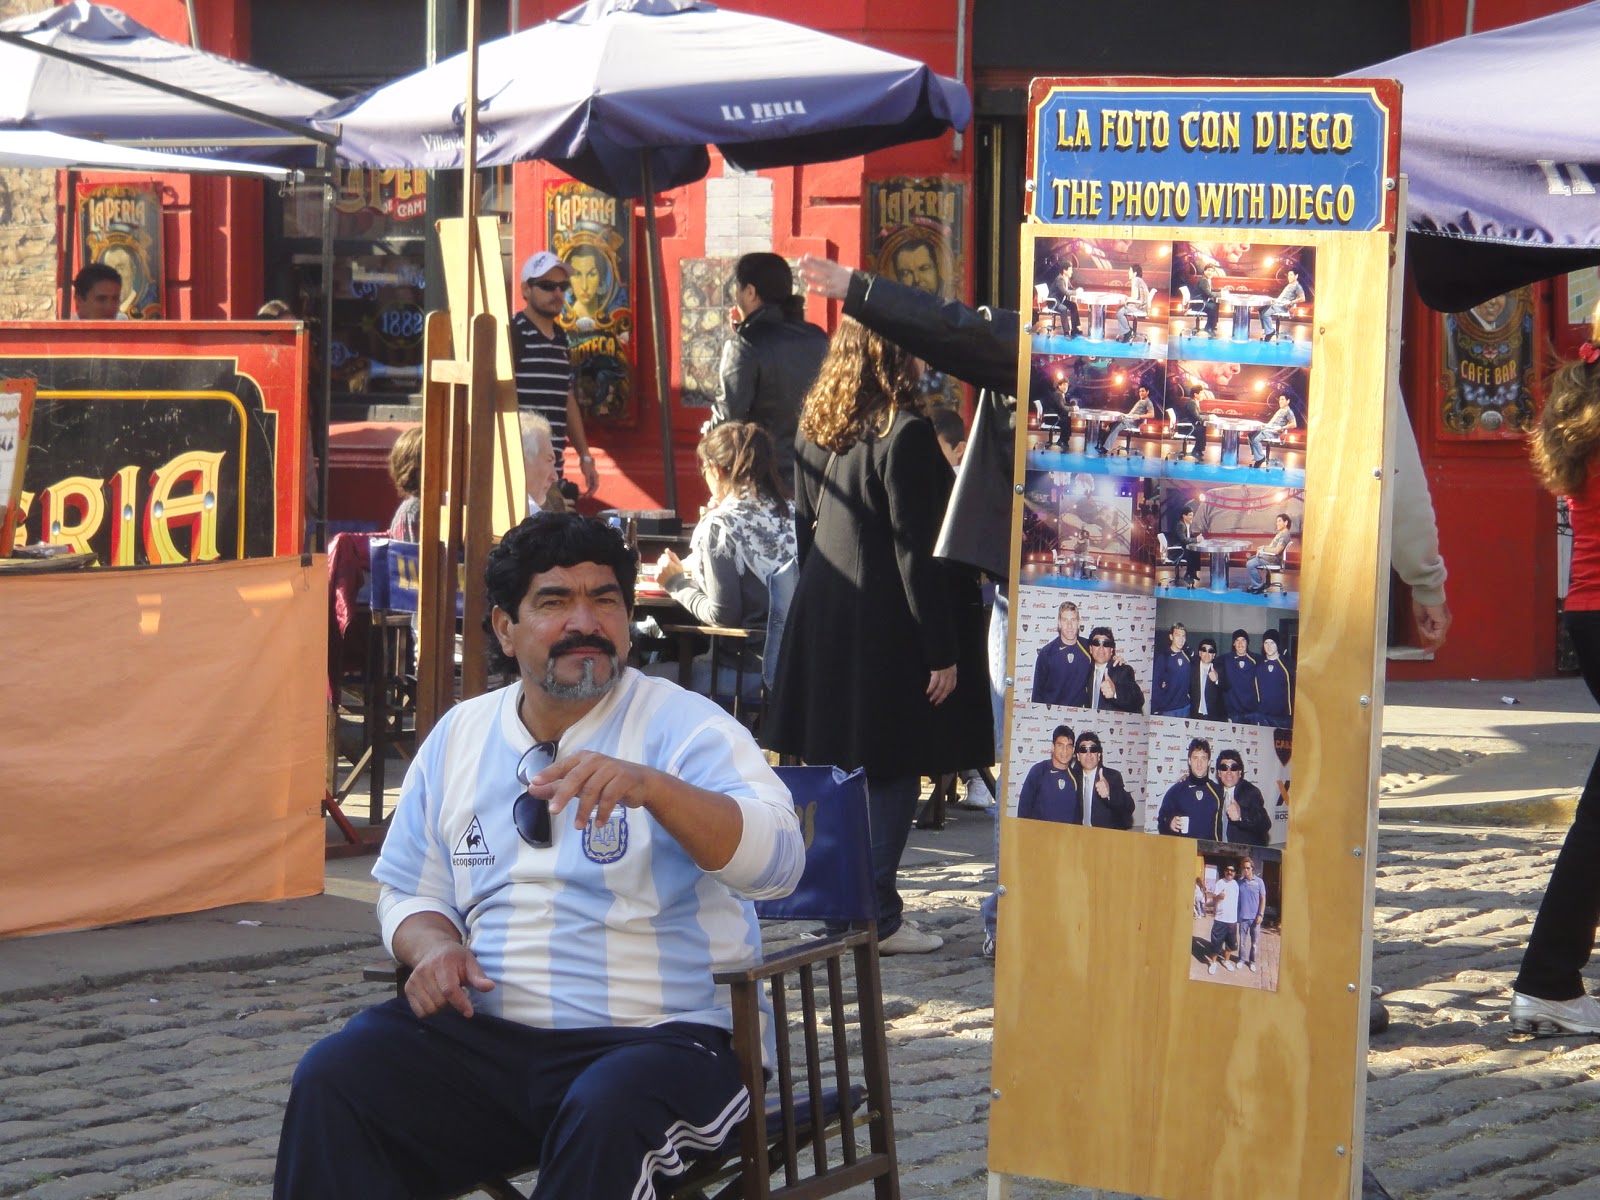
<point x="1113" y="1069"/>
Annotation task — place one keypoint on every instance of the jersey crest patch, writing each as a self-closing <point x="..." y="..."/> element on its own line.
<point x="606" y="843"/>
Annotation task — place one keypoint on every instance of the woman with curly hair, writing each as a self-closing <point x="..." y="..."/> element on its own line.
<point x="1548" y="995"/>
<point x="882" y="664"/>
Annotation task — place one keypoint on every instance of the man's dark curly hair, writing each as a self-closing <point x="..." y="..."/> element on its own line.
<point x="542" y="542"/>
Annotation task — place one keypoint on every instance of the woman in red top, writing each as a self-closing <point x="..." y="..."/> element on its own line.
<point x="1548" y="996"/>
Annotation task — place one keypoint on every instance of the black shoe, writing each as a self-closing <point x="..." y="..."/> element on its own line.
<point x="1256" y="591"/>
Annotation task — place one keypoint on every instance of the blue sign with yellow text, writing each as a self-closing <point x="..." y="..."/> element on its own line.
<point x="1213" y="155"/>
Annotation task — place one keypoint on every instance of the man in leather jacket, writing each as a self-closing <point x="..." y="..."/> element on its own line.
<point x="772" y="359"/>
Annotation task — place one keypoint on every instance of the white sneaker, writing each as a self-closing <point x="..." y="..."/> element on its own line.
<point x="908" y="939"/>
<point x="1253" y="970"/>
<point x="978" y="796"/>
<point x="1551" y="1018"/>
<point x="1211" y="967"/>
<point x="1228" y="966"/>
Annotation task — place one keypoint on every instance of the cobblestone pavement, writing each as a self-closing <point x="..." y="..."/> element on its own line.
<point x="171" y="1087"/>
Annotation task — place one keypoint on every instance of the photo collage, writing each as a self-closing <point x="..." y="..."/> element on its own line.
<point x="1157" y="618"/>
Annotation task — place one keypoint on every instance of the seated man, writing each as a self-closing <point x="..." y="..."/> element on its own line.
<point x="1277" y="425"/>
<point x="1207" y="296"/>
<point x="1143" y="409"/>
<point x="572" y="858"/>
<point x="1291" y="295"/>
<point x="1188" y="411"/>
<point x="1138" y="304"/>
<point x="1181" y="534"/>
<point x="1062" y="302"/>
<point x="1270" y="554"/>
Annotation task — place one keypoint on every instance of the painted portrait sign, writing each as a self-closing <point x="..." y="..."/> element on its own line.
<point x="1489" y="368"/>
<point x="915" y="231"/>
<point x="119" y="224"/>
<point x="591" y="232"/>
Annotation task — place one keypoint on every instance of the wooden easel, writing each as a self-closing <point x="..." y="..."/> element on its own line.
<point x="472" y="477"/>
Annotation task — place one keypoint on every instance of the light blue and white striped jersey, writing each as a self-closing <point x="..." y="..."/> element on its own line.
<point x="611" y="925"/>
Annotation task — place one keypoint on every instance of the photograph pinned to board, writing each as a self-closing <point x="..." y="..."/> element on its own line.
<point x="1089" y="532"/>
<point x="1237" y="906"/>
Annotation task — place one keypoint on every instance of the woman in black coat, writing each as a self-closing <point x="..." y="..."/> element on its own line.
<point x="883" y="663"/>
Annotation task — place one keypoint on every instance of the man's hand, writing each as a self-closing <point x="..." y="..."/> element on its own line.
<point x="598" y="783"/>
<point x="591" y="476"/>
<point x="941" y="684"/>
<point x="824" y="277"/>
<point x="1233" y="810"/>
<point x="1108" y="689"/>
<point x="1433" y="623"/>
<point x="440" y="978"/>
<point x="1101" y="787"/>
<point x="1211" y="674"/>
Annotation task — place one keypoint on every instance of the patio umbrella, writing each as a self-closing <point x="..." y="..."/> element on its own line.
<point x="41" y="148"/>
<point x="1499" y="141"/>
<point x="196" y="104"/>
<point x="625" y="95"/>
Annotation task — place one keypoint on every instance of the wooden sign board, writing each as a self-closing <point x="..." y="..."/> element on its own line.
<point x="1207" y="268"/>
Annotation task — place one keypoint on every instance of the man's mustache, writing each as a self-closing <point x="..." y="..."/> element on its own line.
<point x="583" y="641"/>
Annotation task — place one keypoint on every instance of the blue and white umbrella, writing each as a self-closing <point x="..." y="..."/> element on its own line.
<point x="626" y="95"/>
<point x="594" y="89"/>
<point x="38" y="91"/>
<point x="1499" y="141"/>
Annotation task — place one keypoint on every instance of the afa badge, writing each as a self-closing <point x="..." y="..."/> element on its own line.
<point x="606" y="843"/>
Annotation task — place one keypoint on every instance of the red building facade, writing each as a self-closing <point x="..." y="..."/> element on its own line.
<point x="227" y="242"/>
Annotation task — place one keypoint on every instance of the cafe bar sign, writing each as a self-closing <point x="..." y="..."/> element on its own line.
<point x="1275" y="154"/>
<point x="163" y="442"/>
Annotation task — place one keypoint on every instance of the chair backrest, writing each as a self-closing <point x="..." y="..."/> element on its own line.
<point x="1172" y="417"/>
<point x="1161" y="543"/>
<point x="1183" y="290"/>
<point x="1042" y="292"/>
<point x="837" y="882"/>
<point x="780" y="593"/>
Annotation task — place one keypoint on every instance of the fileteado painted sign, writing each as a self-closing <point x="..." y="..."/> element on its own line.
<point x="1215" y="153"/>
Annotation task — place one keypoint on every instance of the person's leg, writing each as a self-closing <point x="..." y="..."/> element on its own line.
<point x="1124" y="325"/>
<point x="640" y="1111"/>
<point x="1268" y="320"/>
<point x="1564" y="931"/>
<point x="1072" y="313"/>
<point x="1252" y="568"/>
<point x="391" y="1106"/>
<point x="892" y="805"/>
<point x="1258" y="448"/>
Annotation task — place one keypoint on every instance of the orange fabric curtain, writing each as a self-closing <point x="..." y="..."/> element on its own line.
<point x="164" y="739"/>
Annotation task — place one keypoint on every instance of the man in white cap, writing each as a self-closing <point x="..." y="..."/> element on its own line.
<point x="541" y="362"/>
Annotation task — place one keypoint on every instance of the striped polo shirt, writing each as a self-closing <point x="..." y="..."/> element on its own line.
<point x="610" y="925"/>
<point x="543" y="372"/>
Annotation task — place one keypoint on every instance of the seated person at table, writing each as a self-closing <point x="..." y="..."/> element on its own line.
<point x="1061" y="299"/>
<point x="1291" y="295"/>
<point x="540" y="471"/>
<point x="1062" y="669"/>
<point x="1208" y="297"/>
<point x="405" y="469"/>
<point x="1143" y="408"/>
<point x="1188" y="411"/>
<point x="1181" y="535"/>
<point x="1138" y="304"/>
<point x="746" y="535"/>
<point x="1277" y="425"/>
<point x="572" y="858"/>
<point x="1269" y="554"/>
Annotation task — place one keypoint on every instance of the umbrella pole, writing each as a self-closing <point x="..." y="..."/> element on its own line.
<point x="325" y="163"/>
<point x="658" y="327"/>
